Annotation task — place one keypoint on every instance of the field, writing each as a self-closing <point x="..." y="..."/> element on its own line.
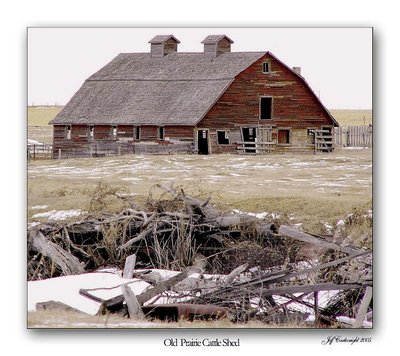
<point x="308" y="188"/>
<point x="352" y="117"/>
<point x="38" y="119"/>
<point x="316" y="191"/>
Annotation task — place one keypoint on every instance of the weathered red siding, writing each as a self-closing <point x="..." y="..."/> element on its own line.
<point x="148" y="133"/>
<point x="293" y="104"/>
<point x="102" y="132"/>
<point x="180" y="132"/>
<point x="125" y="131"/>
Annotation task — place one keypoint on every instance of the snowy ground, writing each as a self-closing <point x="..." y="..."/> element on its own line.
<point x="344" y="175"/>
<point x="106" y="284"/>
<point x="344" y="170"/>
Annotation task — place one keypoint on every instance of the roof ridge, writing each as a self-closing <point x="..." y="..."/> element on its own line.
<point x="157" y="80"/>
<point x="193" y="52"/>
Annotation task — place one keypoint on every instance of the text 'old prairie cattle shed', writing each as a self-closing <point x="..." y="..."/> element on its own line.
<point x="215" y="101"/>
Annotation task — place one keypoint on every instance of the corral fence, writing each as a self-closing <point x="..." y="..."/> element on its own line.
<point x="104" y="149"/>
<point x="107" y="149"/>
<point x="39" y="151"/>
<point x="353" y="136"/>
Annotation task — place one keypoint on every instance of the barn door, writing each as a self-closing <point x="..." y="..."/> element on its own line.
<point x="249" y="136"/>
<point x="202" y="142"/>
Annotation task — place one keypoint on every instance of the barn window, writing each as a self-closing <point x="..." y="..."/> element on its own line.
<point x="265" y="108"/>
<point x="68" y="132"/>
<point x="283" y="136"/>
<point x="137" y="133"/>
<point x="114" y="131"/>
<point x="223" y="137"/>
<point x="265" y="67"/>
<point x="91" y="132"/>
<point x="161" y="133"/>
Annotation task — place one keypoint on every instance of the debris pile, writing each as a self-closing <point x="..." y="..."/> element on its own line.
<point x="230" y="265"/>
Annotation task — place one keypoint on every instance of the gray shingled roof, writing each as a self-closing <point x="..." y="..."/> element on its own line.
<point x="215" y="39"/>
<point x="176" y="66"/>
<point x="141" y="102"/>
<point x="163" y="38"/>
<point x="134" y="88"/>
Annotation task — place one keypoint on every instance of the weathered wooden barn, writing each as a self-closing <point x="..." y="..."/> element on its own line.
<point x="215" y="101"/>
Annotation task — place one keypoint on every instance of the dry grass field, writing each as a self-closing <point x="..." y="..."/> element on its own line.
<point x="352" y="117"/>
<point x="312" y="189"/>
<point x="41" y="115"/>
<point x="38" y="119"/>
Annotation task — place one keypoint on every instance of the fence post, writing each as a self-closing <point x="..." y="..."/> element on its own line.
<point x="59" y="153"/>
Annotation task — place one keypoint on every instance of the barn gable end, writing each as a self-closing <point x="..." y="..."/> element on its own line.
<point x="292" y="104"/>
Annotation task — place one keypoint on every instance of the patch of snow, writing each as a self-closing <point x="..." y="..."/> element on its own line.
<point x="55" y="215"/>
<point x="34" y="142"/>
<point x="328" y="227"/>
<point x="355" y="148"/>
<point x="330" y="184"/>
<point x="33" y="224"/>
<point x="215" y="177"/>
<point x="39" y="207"/>
<point x="66" y="290"/>
<point x="258" y="215"/>
<point x="237" y="175"/>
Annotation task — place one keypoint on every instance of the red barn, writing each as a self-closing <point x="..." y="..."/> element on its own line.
<point x="215" y="101"/>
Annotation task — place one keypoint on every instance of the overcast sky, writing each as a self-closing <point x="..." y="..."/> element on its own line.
<point x="336" y="62"/>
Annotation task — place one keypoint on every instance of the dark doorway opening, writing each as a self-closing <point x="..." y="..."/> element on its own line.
<point x="202" y="142"/>
<point x="249" y="135"/>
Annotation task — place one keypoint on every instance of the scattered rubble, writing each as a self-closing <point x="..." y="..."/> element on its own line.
<point x="218" y="265"/>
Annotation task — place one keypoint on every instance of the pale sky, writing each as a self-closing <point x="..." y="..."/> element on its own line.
<point x="336" y="62"/>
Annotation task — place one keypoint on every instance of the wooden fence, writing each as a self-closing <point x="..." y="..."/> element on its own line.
<point x="354" y="136"/>
<point x="255" y="147"/>
<point x="39" y="151"/>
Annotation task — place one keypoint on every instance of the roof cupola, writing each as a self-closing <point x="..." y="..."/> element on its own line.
<point x="215" y="45"/>
<point x="162" y="45"/>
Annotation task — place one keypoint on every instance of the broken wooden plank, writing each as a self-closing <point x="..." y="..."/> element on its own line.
<point x="132" y="303"/>
<point x="116" y="303"/>
<point x="231" y="276"/>
<point x="309" y="288"/>
<point x="68" y="263"/>
<point x="294" y="233"/>
<point x="362" y="311"/>
<point x="129" y="267"/>
<point x="166" y="285"/>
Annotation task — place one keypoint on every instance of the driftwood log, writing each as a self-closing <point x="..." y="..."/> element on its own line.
<point x="68" y="263"/>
